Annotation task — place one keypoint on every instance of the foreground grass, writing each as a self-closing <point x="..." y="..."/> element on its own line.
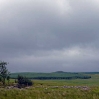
<point x="45" y="92"/>
<point x="56" y="89"/>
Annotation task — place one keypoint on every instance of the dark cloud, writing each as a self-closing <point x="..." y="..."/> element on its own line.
<point x="37" y="35"/>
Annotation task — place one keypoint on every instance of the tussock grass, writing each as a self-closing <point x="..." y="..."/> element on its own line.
<point x="49" y="93"/>
<point x="55" y="89"/>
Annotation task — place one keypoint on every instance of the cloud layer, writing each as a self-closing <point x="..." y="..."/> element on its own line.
<point x="45" y="36"/>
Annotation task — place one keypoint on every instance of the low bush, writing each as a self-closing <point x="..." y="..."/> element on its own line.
<point x="24" y="81"/>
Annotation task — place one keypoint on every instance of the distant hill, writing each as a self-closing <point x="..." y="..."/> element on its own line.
<point x="59" y="72"/>
<point x="53" y="75"/>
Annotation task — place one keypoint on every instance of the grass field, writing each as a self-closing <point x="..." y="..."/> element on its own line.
<point x="56" y="89"/>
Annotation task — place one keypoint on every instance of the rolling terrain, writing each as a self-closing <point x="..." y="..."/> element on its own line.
<point x="53" y="75"/>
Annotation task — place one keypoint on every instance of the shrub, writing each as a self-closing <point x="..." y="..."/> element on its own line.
<point x="24" y="81"/>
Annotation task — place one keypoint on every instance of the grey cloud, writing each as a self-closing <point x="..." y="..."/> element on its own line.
<point x="77" y="59"/>
<point x="37" y="27"/>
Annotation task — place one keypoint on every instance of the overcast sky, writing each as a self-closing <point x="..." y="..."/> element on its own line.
<point x="50" y="35"/>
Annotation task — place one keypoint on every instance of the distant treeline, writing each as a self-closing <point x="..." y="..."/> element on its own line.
<point x="49" y="78"/>
<point x="90" y="72"/>
<point x="54" y="75"/>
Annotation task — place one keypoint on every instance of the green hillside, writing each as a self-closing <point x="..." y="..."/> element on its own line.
<point x="53" y="75"/>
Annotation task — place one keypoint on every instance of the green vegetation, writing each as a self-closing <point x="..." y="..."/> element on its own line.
<point x="55" y="89"/>
<point x="54" y="75"/>
<point x="24" y="81"/>
<point x="49" y="93"/>
<point x="4" y="73"/>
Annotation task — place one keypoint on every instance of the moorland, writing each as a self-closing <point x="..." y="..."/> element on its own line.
<point x="75" y="88"/>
